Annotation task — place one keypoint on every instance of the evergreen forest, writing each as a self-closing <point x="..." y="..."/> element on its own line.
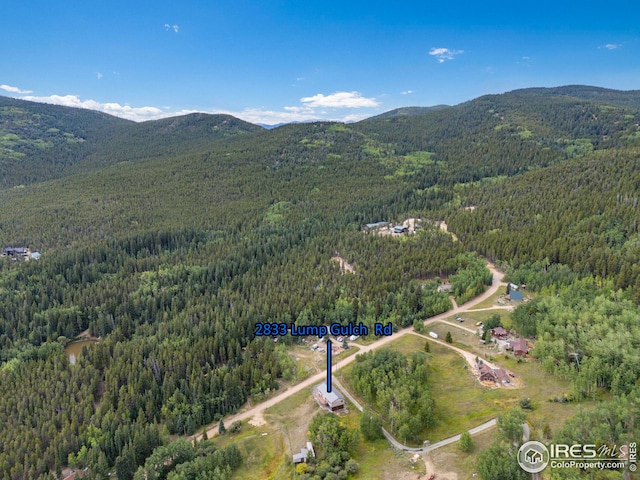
<point x="167" y="241"/>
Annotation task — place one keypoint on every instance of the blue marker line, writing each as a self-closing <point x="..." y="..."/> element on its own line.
<point x="328" y="365"/>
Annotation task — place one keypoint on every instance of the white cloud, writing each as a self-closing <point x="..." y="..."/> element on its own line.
<point x="340" y="100"/>
<point x="406" y="92"/>
<point x="99" y="75"/>
<point x="125" y="111"/>
<point x="310" y="109"/>
<point x="273" y="117"/>
<point x="290" y="115"/>
<point x="443" y="54"/>
<point x="611" y="46"/>
<point x="10" y="89"/>
<point x="168" y="27"/>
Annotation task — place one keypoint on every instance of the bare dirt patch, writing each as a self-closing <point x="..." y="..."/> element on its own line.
<point x="258" y="420"/>
<point x="441" y="224"/>
<point x="293" y="423"/>
<point x="440" y="473"/>
<point x="344" y="265"/>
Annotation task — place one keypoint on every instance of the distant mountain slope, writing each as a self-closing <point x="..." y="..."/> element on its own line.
<point x="409" y="111"/>
<point x="41" y="141"/>
<point x="626" y="99"/>
<point x="320" y="168"/>
<point x="168" y="136"/>
<point x="38" y="141"/>
<point x="504" y="134"/>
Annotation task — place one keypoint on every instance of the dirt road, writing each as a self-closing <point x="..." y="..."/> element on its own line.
<point x="313" y="380"/>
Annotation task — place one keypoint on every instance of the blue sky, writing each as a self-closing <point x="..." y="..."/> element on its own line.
<point x="282" y="61"/>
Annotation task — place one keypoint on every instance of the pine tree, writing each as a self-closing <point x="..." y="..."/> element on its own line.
<point x="466" y="443"/>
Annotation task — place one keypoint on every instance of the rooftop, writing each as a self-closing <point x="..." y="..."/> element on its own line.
<point x="331" y="396"/>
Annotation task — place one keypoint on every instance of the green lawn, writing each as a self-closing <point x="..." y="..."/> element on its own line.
<point x="451" y="459"/>
<point x="378" y="459"/>
<point x="462" y="403"/>
<point x="491" y="301"/>
<point x="264" y="456"/>
<point x="471" y="318"/>
<point x="465" y="340"/>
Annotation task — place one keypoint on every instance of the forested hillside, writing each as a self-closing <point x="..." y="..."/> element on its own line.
<point x="583" y="214"/>
<point x="40" y="142"/>
<point x="170" y="240"/>
<point x="410" y="111"/>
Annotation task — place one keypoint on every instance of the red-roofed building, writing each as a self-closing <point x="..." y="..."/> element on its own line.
<point x="485" y="372"/>
<point x="519" y="347"/>
<point x="499" y="332"/>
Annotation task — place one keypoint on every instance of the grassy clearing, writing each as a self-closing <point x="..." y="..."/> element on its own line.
<point x="471" y="318"/>
<point x="451" y="459"/>
<point x="287" y="424"/>
<point x="378" y="459"/>
<point x="465" y="340"/>
<point x="263" y="455"/>
<point x="309" y="362"/>
<point x="491" y="301"/>
<point x="285" y="407"/>
<point x="461" y="338"/>
<point x="462" y="403"/>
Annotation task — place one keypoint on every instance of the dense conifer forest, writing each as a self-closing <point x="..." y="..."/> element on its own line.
<point x="170" y="240"/>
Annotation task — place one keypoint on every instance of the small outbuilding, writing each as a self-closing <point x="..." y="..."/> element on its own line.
<point x="516" y="296"/>
<point x="304" y="454"/>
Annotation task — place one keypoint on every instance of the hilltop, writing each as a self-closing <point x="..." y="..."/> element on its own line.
<point x="409" y="111"/>
<point x="41" y="141"/>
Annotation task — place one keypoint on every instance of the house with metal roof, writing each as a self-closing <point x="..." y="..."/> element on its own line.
<point x="372" y="226"/>
<point x="332" y="400"/>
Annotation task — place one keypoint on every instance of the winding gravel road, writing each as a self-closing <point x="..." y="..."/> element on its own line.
<point x="257" y="410"/>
